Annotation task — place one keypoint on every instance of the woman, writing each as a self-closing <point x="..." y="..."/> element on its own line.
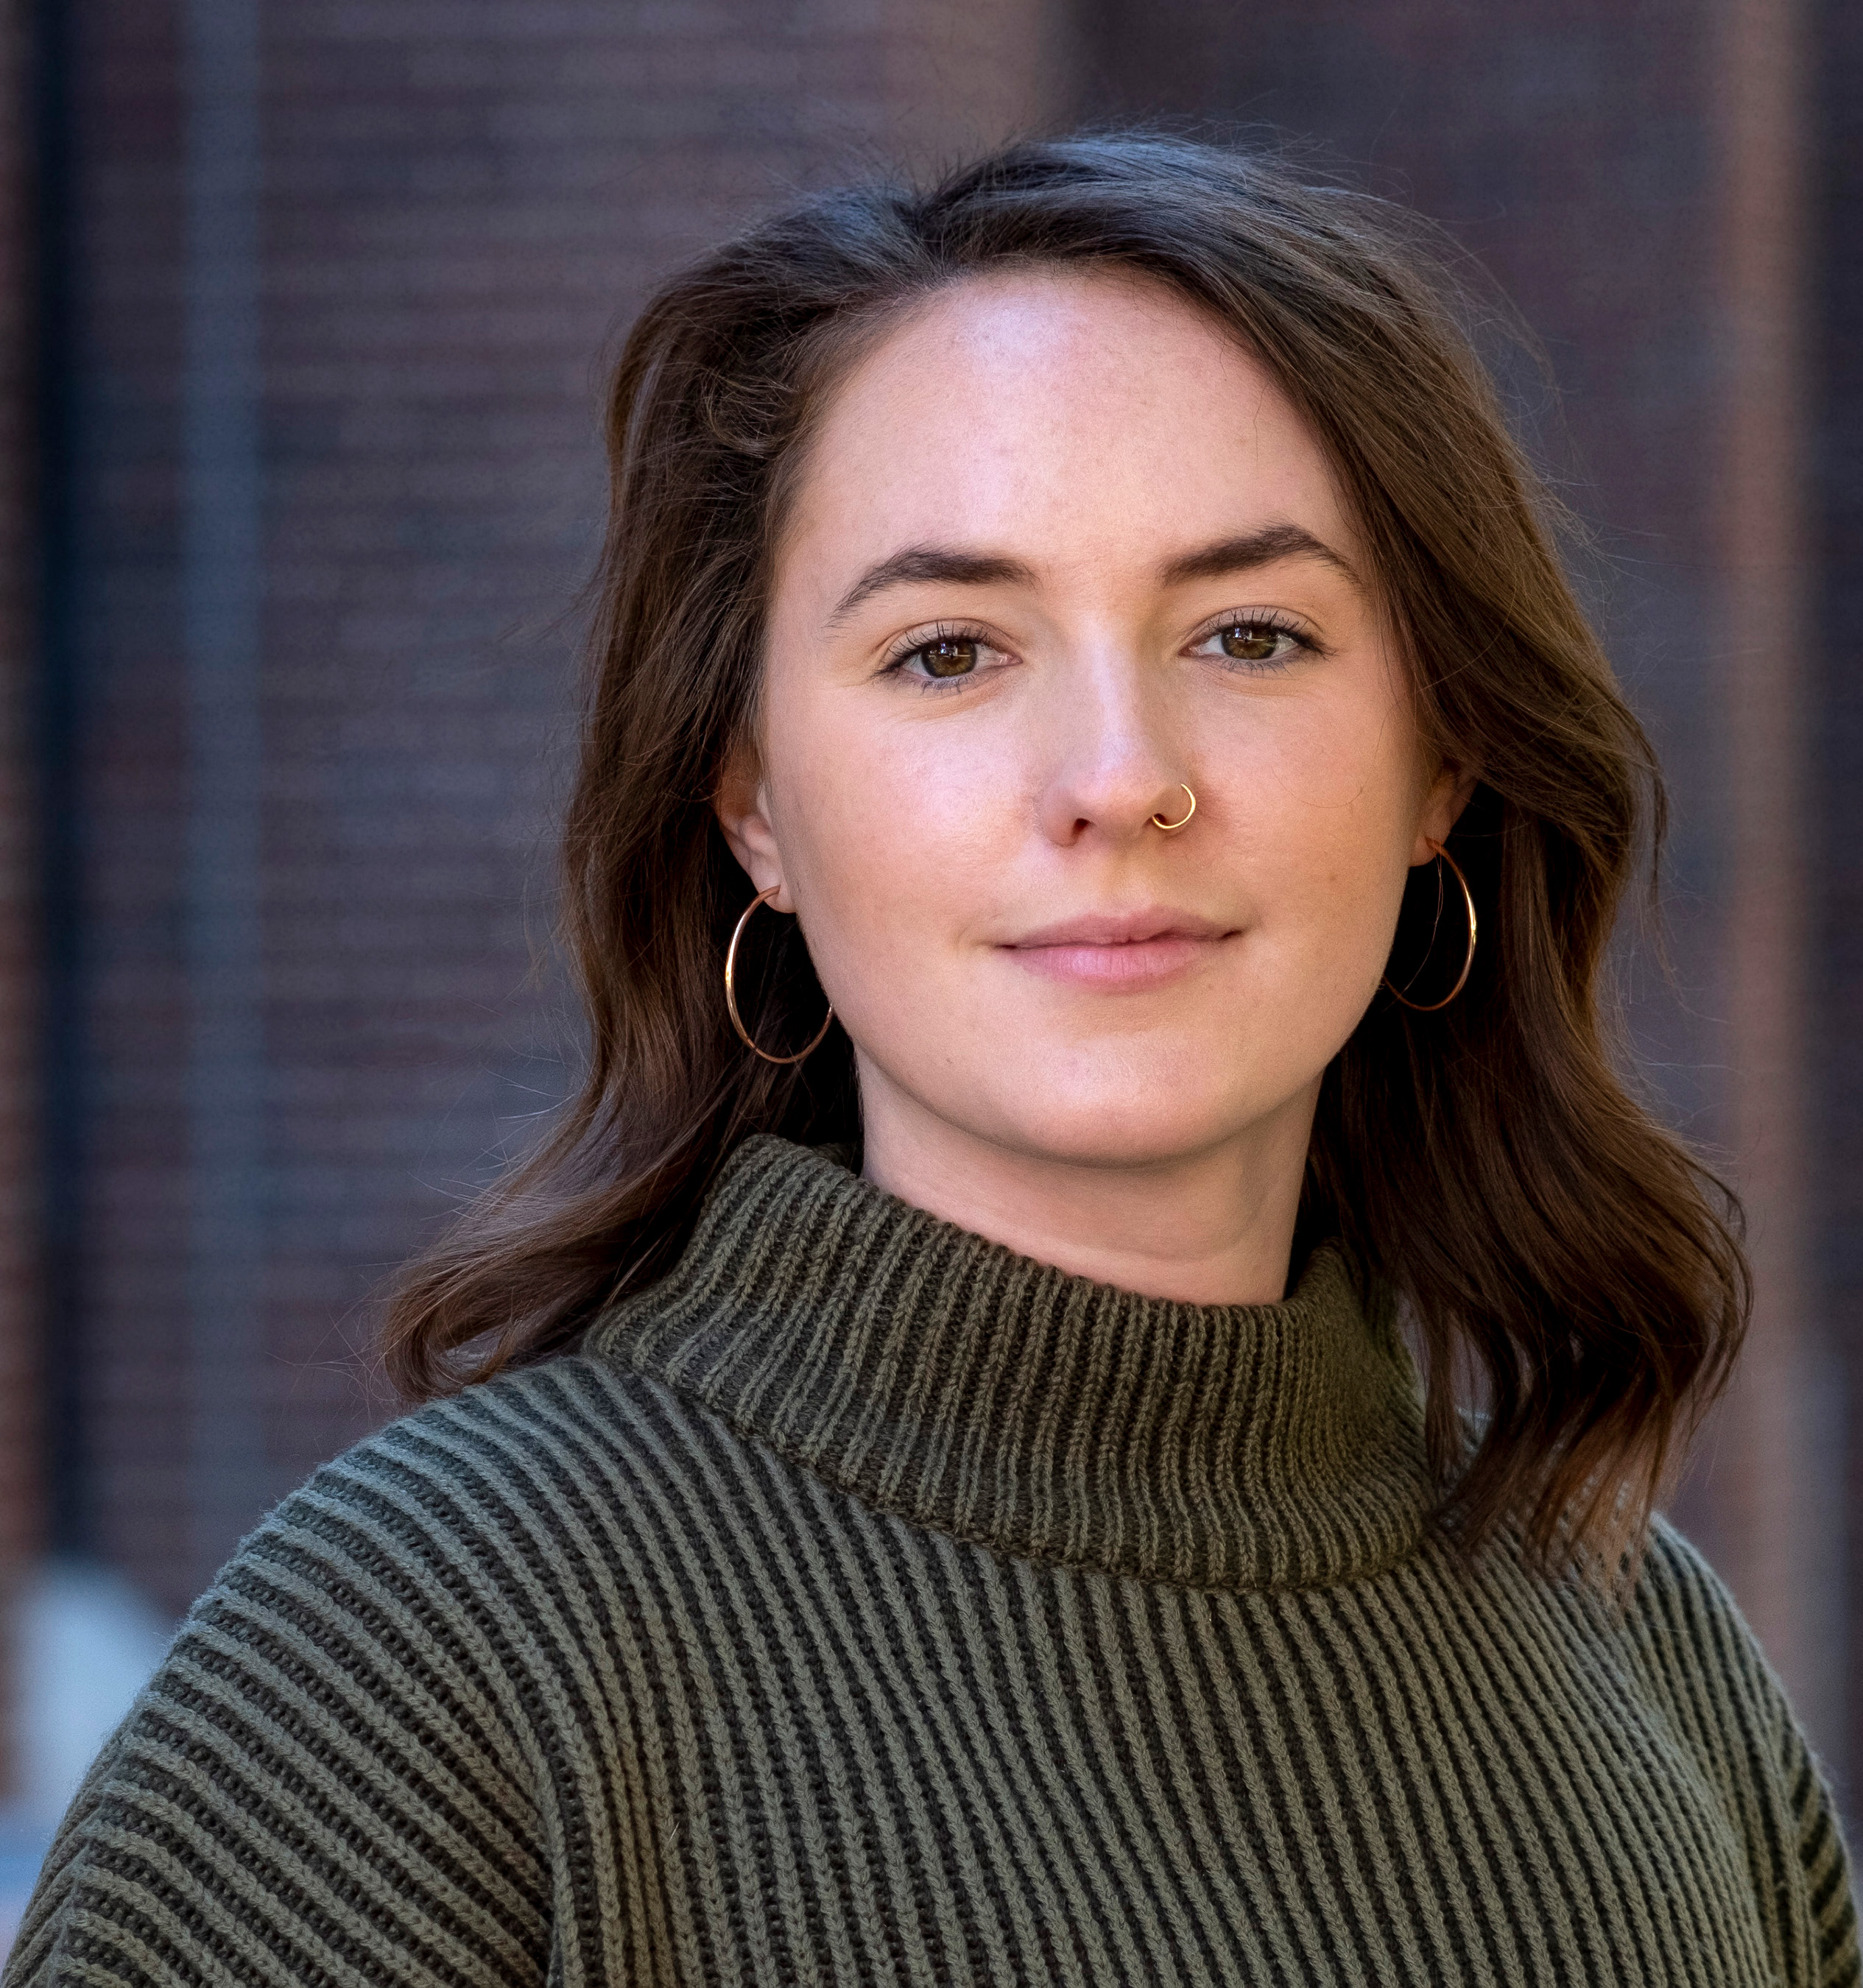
<point x="927" y="1482"/>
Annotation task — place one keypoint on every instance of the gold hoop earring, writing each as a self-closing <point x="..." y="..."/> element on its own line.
<point x="730" y="989"/>
<point x="1462" y="979"/>
<point x="1171" y="827"/>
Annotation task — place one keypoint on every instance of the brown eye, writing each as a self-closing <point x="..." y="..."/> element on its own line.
<point x="1251" y="641"/>
<point x="953" y="656"/>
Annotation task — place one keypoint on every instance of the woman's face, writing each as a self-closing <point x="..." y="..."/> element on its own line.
<point x="1059" y="551"/>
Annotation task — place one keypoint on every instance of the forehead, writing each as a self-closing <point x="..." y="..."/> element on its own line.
<point x="1060" y="405"/>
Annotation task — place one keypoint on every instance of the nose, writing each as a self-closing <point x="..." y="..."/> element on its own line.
<point x="1114" y="761"/>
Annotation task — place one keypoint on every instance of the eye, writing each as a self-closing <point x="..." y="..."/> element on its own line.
<point x="1254" y="641"/>
<point x="949" y="656"/>
<point x="944" y="656"/>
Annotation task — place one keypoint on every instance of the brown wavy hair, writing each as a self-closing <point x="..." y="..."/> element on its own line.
<point x="1556" y="1250"/>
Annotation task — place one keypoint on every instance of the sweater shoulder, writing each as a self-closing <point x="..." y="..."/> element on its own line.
<point x="531" y="1465"/>
<point x="1701" y="1657"/>
<point x="386" y="1661"/>
<point x="451" y="1544"/>
<point x="1725" y="1698"/>
<point x="487" y="1435"/>
<point x="1700" y="1650"/>
<point x="1681" y="1605"/>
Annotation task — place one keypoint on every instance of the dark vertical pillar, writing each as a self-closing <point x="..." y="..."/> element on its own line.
<point x="1834" y="350"/>
<point x="223" y="569"/>
<point x="117" y="760"/>
<point x="1772" y="1454"/>
<point x="21" y="1450"/>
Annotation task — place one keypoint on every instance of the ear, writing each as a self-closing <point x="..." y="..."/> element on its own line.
<point x="1449" y="793"/>
<point x="741" y="804"/>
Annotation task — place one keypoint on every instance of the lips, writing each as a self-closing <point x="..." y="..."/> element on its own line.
<point x="1124" y="928"/>
<point x="1132" y="950"/>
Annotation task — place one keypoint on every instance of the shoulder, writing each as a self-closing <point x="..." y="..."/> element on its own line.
<point x="1723" y="1700"/>
<point x="433" y="1566"/>
<point x="470" y="1502"/>
<point x="380" y="1694"/>
<point x="1676" y="1584"/>
<point x="1683" y="1608"/>
<point x="1729" y="1705"/>
<point x="1702" y="1656"/>
<point x="492" y="1523"/>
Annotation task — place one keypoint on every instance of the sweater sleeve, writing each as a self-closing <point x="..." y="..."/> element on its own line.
<point x="1727" y="1691"/>
<point x="1825" y="1863"/>
<point x="326" y="1781"/>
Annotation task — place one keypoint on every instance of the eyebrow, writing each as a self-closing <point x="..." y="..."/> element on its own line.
<point x="948" y="564"/>
<point x="1242" y="554"/>
<point x="954" y="566"/>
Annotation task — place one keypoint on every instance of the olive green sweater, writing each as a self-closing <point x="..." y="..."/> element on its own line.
<point x="867" y="1603"/>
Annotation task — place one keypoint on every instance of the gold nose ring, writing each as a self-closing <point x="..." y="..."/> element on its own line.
<point x="1171" y="827"/>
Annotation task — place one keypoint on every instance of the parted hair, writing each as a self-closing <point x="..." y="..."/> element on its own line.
<point x="1562" y="1259"/>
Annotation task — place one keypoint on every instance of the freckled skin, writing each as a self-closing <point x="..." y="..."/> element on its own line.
<point x="926" y="811"/>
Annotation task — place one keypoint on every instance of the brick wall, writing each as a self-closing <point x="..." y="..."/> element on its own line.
<point x="1638" y="179"/>
<point x="459" y="201"/>
<point x="462" y="200"/>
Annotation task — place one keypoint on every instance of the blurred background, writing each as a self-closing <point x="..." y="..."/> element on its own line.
<point x="302" y="313"/>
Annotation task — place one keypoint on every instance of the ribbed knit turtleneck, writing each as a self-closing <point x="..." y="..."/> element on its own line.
<point x="866" y="1605"/>
<point x="966" y="1387"/>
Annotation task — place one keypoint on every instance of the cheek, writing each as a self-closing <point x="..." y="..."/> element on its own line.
<point x="892" y="840"/>
<point x="1333" y="797"/>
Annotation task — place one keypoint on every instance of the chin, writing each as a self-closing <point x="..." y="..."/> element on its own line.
<point x="1112" y="1132"/>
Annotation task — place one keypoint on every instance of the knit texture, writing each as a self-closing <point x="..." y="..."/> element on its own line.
<point x="868" y="1604"/>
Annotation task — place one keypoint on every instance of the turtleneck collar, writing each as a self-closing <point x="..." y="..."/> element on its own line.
<point x="939" y="1376"/>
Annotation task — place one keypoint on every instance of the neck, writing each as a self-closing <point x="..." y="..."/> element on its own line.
<point x="942" y="1378"/>
<point x="1214" y="1225"/>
